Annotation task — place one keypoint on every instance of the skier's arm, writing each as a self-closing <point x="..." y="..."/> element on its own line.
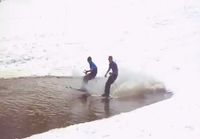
<point x="107" y="71"/>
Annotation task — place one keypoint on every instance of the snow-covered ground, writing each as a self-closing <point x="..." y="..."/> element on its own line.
<point x="157" y="39"/>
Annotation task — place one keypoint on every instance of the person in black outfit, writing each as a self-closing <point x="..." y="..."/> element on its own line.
<point x="112" y="77"/>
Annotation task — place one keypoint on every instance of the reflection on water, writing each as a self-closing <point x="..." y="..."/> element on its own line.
<point x="37" y="104"/>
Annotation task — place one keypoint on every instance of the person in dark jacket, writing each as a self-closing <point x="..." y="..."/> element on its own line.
<point x="113" y="76"/>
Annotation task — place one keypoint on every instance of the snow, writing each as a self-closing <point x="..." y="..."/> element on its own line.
<point x="153" y="38"/>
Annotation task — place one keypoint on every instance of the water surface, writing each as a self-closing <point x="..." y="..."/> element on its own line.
<point x="37" y="104"/>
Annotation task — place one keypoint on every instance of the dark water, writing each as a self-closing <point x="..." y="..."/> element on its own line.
<point x="37" y="104"/>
